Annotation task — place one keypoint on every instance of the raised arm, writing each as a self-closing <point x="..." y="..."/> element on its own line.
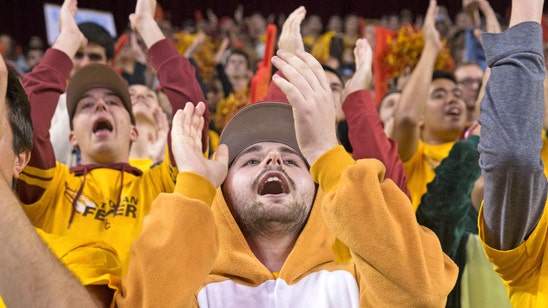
<point x="381" y="213"/>
<point x="408" y="114"/>
<point x="44" y="85"/>
<point x="175" y="73"/>
<point x="365" y="128"/>
<point x="30" y="272"/>
<point x="309" y="93"/>
<point x="47" y="81"/>
<point x="492" y="24"/>
<point x="470" y="7"/>
<point x="178" y="244"/>
<point x="512" y="118"/>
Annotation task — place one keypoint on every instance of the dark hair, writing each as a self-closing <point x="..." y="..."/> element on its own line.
<point x="98" y="35"/>
<point x="444" y="75"/>
<point x="388" y="93"/>
<point x="391" y="91"/>
<point x="332" y="70"/>
<point x="241" y="53"/>
<point x="19" y="114"/>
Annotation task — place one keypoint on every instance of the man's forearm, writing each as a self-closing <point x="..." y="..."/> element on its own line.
<point x="30" y="274"/>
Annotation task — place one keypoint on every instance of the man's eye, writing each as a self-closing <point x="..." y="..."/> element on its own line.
<point x="251" y="162"/>
<point x="78" y="55"/>
<point x="112" y="103"/>
<point x="290" y="162"/>
<point x="438" y="95"/>
<point x="86" y="105"/>
<point x="95" y="57"/>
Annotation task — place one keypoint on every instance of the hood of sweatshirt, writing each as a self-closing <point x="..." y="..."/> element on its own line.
<point x="237" y="262"/>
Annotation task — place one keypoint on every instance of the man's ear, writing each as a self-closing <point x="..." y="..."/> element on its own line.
<point x="134" y="134"/>
<point x="21" y="160"/>
<point x="72" y="139"/>
<point x="421" y="123"/>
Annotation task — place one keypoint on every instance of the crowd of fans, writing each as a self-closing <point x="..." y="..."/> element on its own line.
<point x="210" y="42"/>
<point x="403" y="89"/>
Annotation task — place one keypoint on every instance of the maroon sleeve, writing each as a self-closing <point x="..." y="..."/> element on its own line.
<point x="177" y="76"/>
<point x="44" y="84"/>
<point x="367" y="136"/>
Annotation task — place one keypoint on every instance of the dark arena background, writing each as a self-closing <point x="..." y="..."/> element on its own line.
<point x="22" y="19"/>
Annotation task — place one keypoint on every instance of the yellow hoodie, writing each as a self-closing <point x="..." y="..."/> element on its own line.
<point x="394" y="261"/>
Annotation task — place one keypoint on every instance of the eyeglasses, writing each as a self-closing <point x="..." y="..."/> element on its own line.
<point x="467" y="82"/>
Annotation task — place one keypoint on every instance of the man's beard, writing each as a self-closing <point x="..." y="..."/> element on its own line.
<point x="277" y="217"/>
<point x="259" y="219"/>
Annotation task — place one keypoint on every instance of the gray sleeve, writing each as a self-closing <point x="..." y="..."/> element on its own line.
<point x="511" y="119"/>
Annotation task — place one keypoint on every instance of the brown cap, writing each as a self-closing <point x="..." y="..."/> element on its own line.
<point x="96" y="76"/>
<point x="259" y="122"/>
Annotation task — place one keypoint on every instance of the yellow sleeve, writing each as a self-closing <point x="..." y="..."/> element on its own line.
<point x="522" y="269"/>
<point x="544" y="152"/>
<point x="175" y="251"/>
<point x="400" y="263"/>
<point x="162" y="175"/>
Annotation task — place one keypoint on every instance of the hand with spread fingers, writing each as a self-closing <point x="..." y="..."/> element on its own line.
<point x="186" y="141"/>
<point x="309" y="92"/>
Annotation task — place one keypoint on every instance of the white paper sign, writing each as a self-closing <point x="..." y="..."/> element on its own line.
<point x="51" y="14"/>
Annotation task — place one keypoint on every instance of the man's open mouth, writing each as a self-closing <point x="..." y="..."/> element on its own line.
<point x="101" y="125"/>
<point x="454" y="111"/>
<point x="273" y="183"/>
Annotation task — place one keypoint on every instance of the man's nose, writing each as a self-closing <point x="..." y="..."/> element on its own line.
<point x="85" y="60"/>
<point x="101" y="104"/>
<point x="453" y="97"/>
<point x="273" y="158"/>
<point x="140" y="96"/>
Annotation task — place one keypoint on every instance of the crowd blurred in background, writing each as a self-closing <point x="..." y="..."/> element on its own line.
<point x="227" y="49"/>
